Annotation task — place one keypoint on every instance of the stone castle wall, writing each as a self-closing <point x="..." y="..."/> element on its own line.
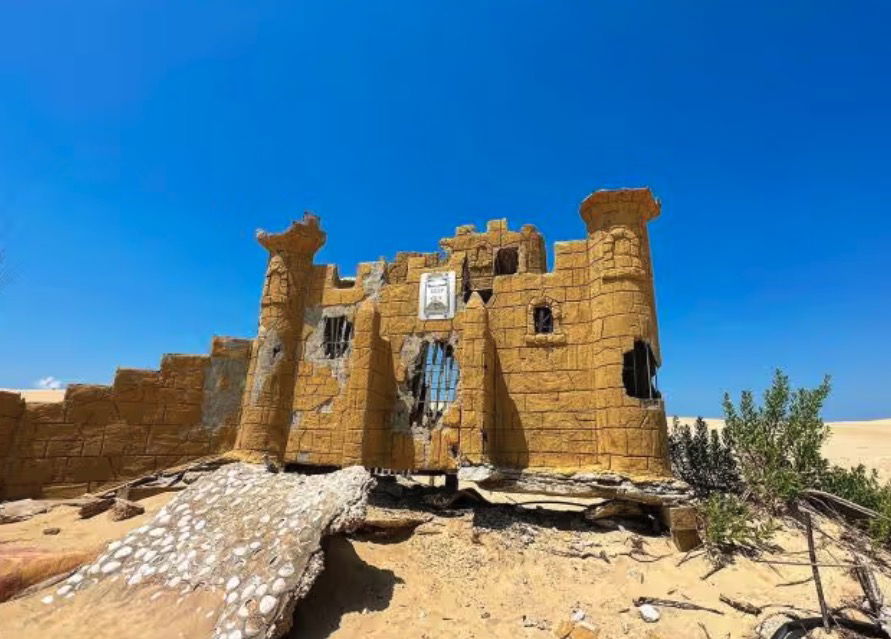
<point x="526" y="398"/>
<point x="146" y="420"/>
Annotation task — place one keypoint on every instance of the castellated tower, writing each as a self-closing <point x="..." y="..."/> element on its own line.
<point x="477" y="359"/>
<point x="630" y="414"/>
<point x="269" y="388"/>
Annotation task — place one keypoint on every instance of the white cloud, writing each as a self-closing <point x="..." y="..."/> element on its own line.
<point x="50" y="383"/>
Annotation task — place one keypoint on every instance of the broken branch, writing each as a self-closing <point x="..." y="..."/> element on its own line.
<point x="812" y="554"/>
<point x="670" y="603"/>
<point x="742" y="606"/>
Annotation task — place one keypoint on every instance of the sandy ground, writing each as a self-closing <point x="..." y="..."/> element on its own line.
<point x="495" y="573"/>
<point x="478" y="576"/>
<point x="850" y="443"/>
<point x="74" y="532"/>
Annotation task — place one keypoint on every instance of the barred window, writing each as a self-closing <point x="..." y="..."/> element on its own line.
<point x="543" y="319"/>
<point x="338" y="333"/>
<point x="434" y="384"/>
<point x="639" y="371"/>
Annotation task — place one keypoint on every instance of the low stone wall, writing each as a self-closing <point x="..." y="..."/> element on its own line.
<point x="146" y="420"/>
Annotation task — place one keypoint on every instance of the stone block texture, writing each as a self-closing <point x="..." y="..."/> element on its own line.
<point x="146" y="420"/>
<point x="338" y="373"/>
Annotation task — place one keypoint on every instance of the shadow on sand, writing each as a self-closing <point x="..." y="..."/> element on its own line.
<point x="347" y="584"/>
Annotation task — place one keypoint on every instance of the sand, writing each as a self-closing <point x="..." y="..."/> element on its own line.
<point x="473" y="583"/>
<point x="493" y="574"/>
<point x="850" y="443"/>
<point x="38" y="395"/>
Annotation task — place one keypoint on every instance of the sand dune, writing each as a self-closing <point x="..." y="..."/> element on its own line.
<point x="39" y="395"/>
<point x="850" y="443"/>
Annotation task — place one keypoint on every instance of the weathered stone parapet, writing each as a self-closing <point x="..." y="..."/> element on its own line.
<point x="12" y="407"/>
<point x="269" y="392"/>
<point x="606" y="206"/>
<point x="145" y="420"/>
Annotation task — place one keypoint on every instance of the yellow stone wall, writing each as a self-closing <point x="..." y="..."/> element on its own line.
<point x="524" y="400"/>
<point x="145" y="421"/>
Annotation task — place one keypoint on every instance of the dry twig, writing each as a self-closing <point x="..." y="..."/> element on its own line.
<point x="742" y="606"/>
<point x="817" y="583"/>
<point x="670" y="603"/>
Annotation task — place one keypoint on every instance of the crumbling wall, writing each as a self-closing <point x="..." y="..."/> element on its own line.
<point x="540" y="353"/>
<point x="480" y="251"/>
<point x="144" y="421"/>
<point x="528" y="397"/>
<point x="321" y="410"/>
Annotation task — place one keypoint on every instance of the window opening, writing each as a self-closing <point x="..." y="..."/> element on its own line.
<point x="639" y="371"/>
<point x="338" y="333"/>
<point x="507" y="261"/>
<point x="434" y="384"/>
<point x="543" y="319"/>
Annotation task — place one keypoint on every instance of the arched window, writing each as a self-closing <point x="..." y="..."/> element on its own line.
<point x="542" y="319"/>
<point x="434" y="384"/>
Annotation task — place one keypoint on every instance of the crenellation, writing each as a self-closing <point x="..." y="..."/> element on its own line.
<point x="526" y="369"/>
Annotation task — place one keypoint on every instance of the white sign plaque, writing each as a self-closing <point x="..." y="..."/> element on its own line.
<point x="436" y="299"/>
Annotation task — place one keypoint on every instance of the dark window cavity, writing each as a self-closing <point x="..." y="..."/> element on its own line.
<point x="639" y="371"/>
<point x="338" y="333"/>
<point x="434" y="384"/>
<point x="507" y="261"/>
<point x="543" y="319"/>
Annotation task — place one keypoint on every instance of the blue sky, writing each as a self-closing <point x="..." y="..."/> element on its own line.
<point x="142" y="143"/>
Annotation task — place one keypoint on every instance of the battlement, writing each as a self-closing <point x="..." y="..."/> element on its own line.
<point x="473" y="356"/>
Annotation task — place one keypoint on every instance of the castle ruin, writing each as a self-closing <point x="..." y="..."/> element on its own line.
<point x="476" y="358"/>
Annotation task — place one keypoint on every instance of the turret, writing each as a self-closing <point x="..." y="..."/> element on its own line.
<point x="269" y="391"/>
<point x="631" y="423"/>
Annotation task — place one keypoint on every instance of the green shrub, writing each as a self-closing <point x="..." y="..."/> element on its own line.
<point x="729" y="524"/>
<point x="862" y="486"/>
<point x="777" y="445"/>
<point x="703" y="458"/>
<point x="855" y="484"/>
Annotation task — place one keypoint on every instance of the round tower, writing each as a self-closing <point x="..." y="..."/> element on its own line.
<point x="630" y="418"/>
<point x="269" y="388"/>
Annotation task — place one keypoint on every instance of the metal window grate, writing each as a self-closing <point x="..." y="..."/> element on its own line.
<point x="434" y="384"/>
<point x="639" y="371"/>
<point x="338" y="333"/>
<point x="543" y="319"/>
